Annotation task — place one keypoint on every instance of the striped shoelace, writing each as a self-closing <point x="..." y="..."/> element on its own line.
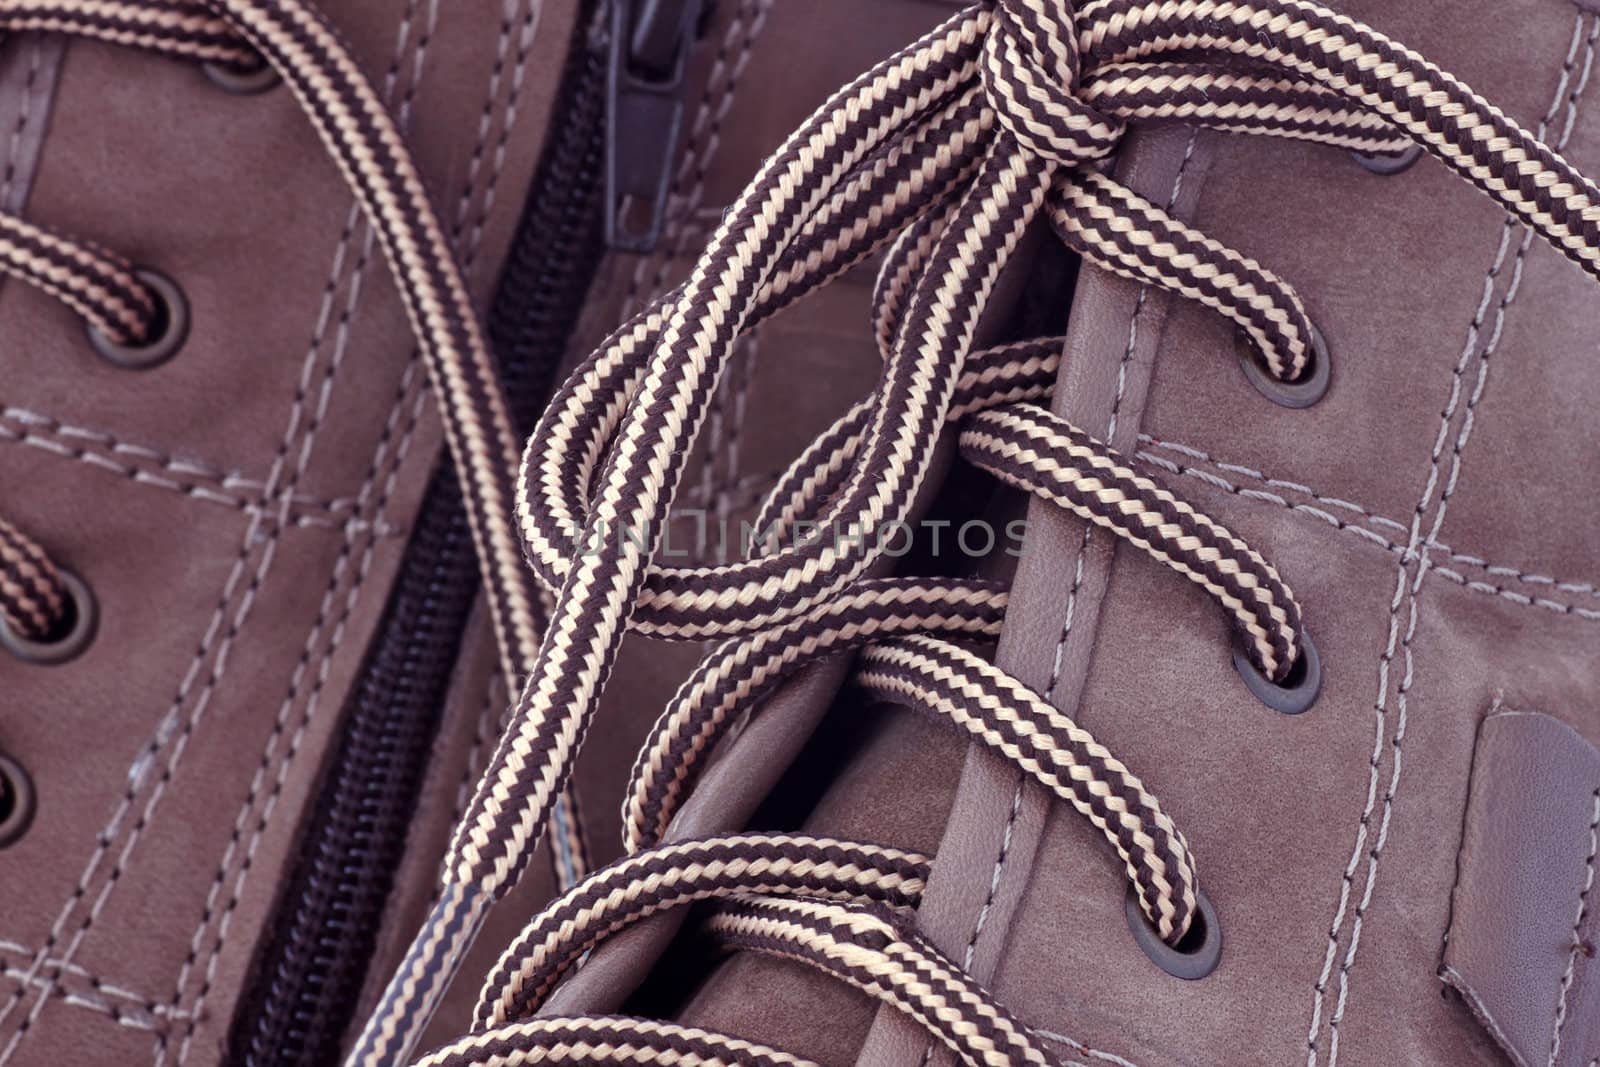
<point x="939" y="158"/>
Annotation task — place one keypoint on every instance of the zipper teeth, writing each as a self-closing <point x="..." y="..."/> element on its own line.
<point x="311" y="969"/>
<point x="558" y="245"/>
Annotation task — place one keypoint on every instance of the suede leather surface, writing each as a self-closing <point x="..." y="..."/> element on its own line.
<point x="238" y="511"/>
<point x="1425" y="513"/>
<point x="1429" y="513"/>
<point x="1328" y="842"/>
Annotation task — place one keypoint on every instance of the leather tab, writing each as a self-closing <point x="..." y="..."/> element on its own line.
<point x="1524" y="929"/>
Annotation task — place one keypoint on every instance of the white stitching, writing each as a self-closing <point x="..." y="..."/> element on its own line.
<point x="1455" y="980"/>
<point x="489" y="726"/>
<point x="1432" y="546"/>
<point x="24" y="117"/>
<point x="1502" y="571"/>
<point x="700" y="149"/>
<point x="308" y="714"/>
<point x="1081" y="1048"/>
<point x="136" y="1011"/>
<point x="1004" y="853"/>
<point x="1578" y="944"/>
<point x="146" y="466"/>
<point x="994" y="880"/>
<point x="308" y="665"/>
<point x="743" y="492"/>
<point x="531" y="16"/>
<point x="1416" y="542"/>
<point x="1523" y="599"/>
<point x="260" y="536"/>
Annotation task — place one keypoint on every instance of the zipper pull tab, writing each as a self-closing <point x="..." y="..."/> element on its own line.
<point x="650" y="43"/>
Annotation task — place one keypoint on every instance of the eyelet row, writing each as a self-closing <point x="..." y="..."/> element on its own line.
<point x="246" y="80"/>
<point x="1201" y="949"/>
<point x="1304" y="391"/>
<point x="1296" y="693"/>
<point x="171" y="321"/>
<point x="1390" y="163"/>
<point x="1198" y="954"/>
<point x="17" y="797"/>
<point x="170" y="328"/>
<point x="76" y="632"/>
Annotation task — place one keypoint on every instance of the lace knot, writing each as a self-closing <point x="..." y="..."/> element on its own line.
<point x="1031" y="71"/>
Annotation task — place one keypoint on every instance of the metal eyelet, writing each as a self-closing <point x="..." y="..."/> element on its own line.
<point x="1196" y="956"/>
<point x="1304" y="391"/>
<point x="78" y="633"/>
<point x="1389" y="163"/>
<point x="16" y="801"/>
<point x="172" y="327"/>
<point x="1297" y="692"/>
<point x="242" y="80"/>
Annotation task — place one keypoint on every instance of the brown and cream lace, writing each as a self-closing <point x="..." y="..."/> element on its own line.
<point x="943" y="156"/>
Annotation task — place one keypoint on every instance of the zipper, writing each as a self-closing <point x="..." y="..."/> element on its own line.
<point x="313" y="962"/>
<point x="644" y="113"/>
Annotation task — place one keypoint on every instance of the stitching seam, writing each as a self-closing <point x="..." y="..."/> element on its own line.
<point x="1579" y="946"/>
<point x="700" y="148"/>
<point x="1480" y="1011"/>
<point x="1432" y="546"/>
<point x="1004" y="854"/>
<point x="488" y="727"/>
<point x="1484" y="350"/>
<point x="1080" y="1047"/>
<point x="261" y="541"/>
<point x="309" y="664"/>
<point x="529" y="23"/>
<point x="24" y="117"/>
<point x="124" y="1008"/>
<point x="146" y="466"/>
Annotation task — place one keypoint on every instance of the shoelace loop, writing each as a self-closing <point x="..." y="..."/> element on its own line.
<point x="1057" y="85"/>
<point x="944" y="154"/>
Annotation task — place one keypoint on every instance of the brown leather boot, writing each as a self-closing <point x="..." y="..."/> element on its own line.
<point x="217" y="848"/>
<point x="1295" y="551"/>
<point x="236" y="563"/>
